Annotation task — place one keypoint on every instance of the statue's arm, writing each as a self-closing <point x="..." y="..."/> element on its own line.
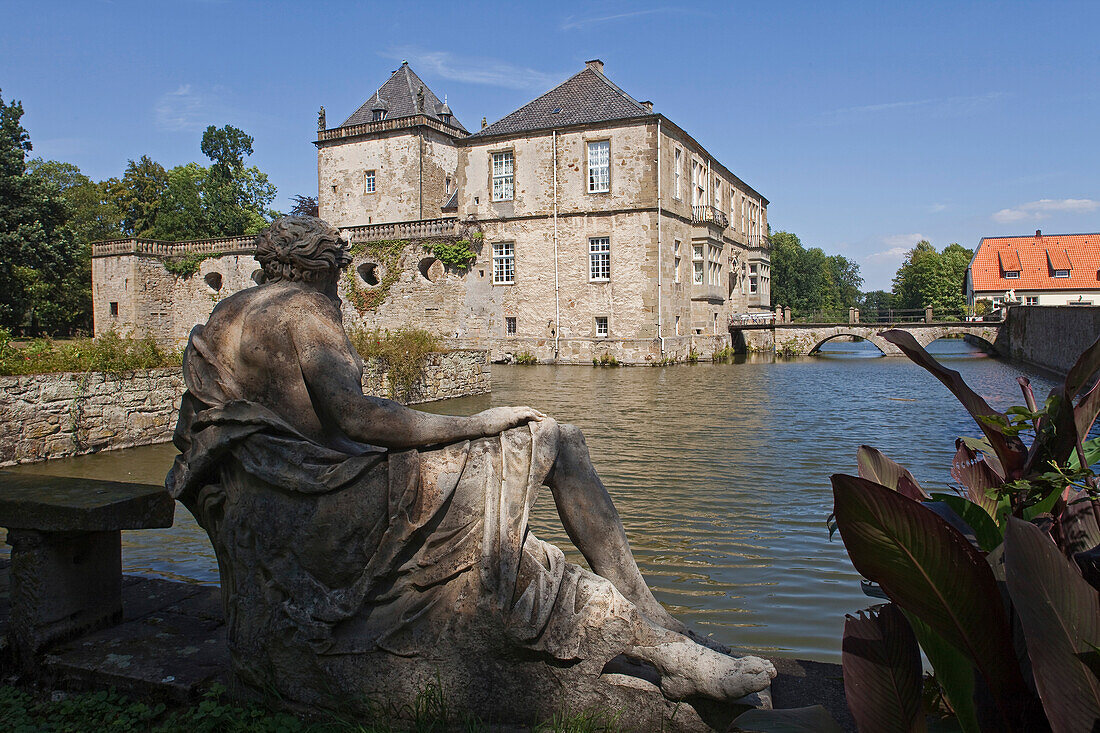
<point x="332" y="375"/>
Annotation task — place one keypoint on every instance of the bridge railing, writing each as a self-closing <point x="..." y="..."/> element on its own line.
<point x="883" y="315"/>
<point x="751" y="319"/>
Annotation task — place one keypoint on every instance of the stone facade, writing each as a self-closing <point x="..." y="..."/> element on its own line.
<point x="56" y="415"/>
<point x="685" y="237"/>
<point x="1049" y="337"/>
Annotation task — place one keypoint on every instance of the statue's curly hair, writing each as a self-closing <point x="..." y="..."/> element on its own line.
<point x="300" y="248"/>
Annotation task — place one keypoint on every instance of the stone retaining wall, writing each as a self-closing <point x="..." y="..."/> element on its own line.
<point x="55" y="415"/>
<point x="1049" y="336"/>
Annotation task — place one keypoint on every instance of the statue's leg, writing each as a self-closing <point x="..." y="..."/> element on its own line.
<point x="592" y="523"/>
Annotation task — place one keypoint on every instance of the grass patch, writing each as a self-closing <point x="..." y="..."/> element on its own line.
<point x="723" y="354"/>
<point x="111" y="352"/>
<point x="607" y="360"/>
<point x="24" y="711"/>
<point x="402" y="354"/>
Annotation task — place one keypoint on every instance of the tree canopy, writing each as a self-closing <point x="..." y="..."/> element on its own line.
<point x="808" y="280"/>
<point x="50" y="213"/>
<point x="928" y="277"/>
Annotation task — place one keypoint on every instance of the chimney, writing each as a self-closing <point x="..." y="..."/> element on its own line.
<point x="595" y="65"/>
<point x="1038" y="232"/>
<point x="484" y="123"/>
<point x="648" y="105"/>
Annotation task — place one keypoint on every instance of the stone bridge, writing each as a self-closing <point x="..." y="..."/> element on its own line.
<point x="793" y="339"/>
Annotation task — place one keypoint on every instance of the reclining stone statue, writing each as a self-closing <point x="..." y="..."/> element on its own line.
<point x="367" y="550"/>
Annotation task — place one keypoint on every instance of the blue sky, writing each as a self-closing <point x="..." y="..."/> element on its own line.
<point x="868" y="125"/>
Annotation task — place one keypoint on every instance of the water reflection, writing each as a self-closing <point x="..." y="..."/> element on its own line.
<point x="720" y="471"/>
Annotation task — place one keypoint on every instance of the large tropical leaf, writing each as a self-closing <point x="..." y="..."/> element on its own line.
<point x="1068" y="421"/>
<point x="875" y="466"/>
<point x="882" y="671"/>
<point x="1060" y="615"/>
<point x="813" y="719"/>
<point x="954" y="673"/>
<point x="981" y="524"/>
<point x="975" y="474"/>
<point x="1080" y="530"/>
<point x="929" y="569"/>
<point x="1009" y="449"/>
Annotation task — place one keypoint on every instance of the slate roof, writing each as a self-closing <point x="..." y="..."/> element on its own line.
<point x="399" y="97"/>
<point x="1036" y="257"/>
<point x="584" y="98"/>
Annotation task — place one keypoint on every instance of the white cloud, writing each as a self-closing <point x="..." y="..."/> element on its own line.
<point x="1044" y="208"/>
<point x="937" y="208"/>
<point x="894" y="254"/>
<point x="182" y="110"/>
<point x="474" y="70"/>
<point x="936" y="107"/>
<point x="573" y="22"/>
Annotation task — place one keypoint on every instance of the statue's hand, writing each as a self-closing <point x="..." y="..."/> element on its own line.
<point x="499" y="419"/>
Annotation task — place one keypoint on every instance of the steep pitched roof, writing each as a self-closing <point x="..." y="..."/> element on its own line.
<point x="584" y="98"/>
<point x="1036" y="258"/>
<point x="398" y="95"/>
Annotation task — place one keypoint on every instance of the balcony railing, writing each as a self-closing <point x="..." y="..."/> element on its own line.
<point x="709" y="215"/>
<point x="219" y="245"/>
<point x="422" y="229"/>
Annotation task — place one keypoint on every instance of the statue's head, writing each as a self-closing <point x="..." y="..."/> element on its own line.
<point x="301" y="249"/>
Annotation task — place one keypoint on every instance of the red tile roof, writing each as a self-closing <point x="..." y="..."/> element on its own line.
<point x="1037" y="257"/>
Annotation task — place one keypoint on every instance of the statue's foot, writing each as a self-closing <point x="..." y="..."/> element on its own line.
<point x="652" y="609"/>
<point x="689" y="669"/>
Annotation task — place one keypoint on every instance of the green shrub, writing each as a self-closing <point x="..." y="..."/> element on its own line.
<point x="453" y="254"/>
<point x="186" y="265"/>
<point x="402" y="354"/>
<point x="526" y="358"/>
<point x="692" y="357"/>
<point x="723" y="354"/>
<point x="110" y="352"/>
<point x="607" y="360"/>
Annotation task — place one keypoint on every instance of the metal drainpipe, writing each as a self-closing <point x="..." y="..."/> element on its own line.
<point x="557" y="298"/>
<point x="660" y="310"/>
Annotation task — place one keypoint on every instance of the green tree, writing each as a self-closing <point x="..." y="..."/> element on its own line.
<point x="928" y="277"/>
<point x="138" y="195"/>
<point x="38" y="252"/>
<point x="875" y="301"/>
<point x="808" y="280"/>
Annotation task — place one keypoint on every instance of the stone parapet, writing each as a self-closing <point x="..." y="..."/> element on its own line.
<point x="46" y="416"/>
<point x="1049" y="336"/>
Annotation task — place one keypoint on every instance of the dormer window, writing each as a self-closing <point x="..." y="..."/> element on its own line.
<point x="1061" y="273"/>
<point x="1012" y="274"/>
<point x="379" y="115"/>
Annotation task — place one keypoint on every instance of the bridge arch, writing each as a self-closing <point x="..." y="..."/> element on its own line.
<point x="874" y="339"/>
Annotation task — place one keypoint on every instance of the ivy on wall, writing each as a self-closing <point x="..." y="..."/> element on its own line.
<point x="387" y="253"/>
<point x="187" y="265"/>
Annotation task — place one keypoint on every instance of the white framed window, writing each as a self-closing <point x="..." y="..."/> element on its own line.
<point x="679" y="174"/>
<point x="509" y="325"/>
<point x="599" y="166"/>
<point x="602" y="328"/>
<point x="714" y="265"/>
<point x="717" y="193"/>
<point x="368" y="182"/>
<point x="697" y="264"/>
<point x="504" y="263"/>
<point x="1031" y="300"/>
<point x="677" y="325"/>
<point x="1012" y="274"/>
<point x="676" y="260"/>
<point x="599" y="259"/>
<point x="753" y="286"/>
<point x="503" y="176"/>
<point x="1061" y="273"/>
<point x="448" y="184"/>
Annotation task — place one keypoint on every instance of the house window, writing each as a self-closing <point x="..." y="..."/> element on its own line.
<point x="368" y="182"/>
<point x="1061" y="273"/>
<point x="114" y="308"/>
<point x="599" y="166"/>
<point x="753" y="287"/>
<point x="509" y="325"/>
<point x="599" y="259"/>
<point x="504" y="263"/>
<point x="503" y="176"/>
<point x="717" y="193"/>
<point x="448" y="184"/>
<point x="677" y="325"/>
<point x="1031" y="300"/>
<point x="1012" y="274"/>
<point x="697" y="264"/>
<point x="379" y="115"/>
<point x="679" y="174"/>
<point x="714" y="265"/>
<point x="602" y="329"/>
<point x="676" y="260"/>
<point x="698" y="185"/>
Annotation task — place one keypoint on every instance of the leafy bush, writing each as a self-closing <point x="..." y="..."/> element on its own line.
<point x="997" y="583"/>
<point x="402" y="354"/>
<point x="723" y="354"/>
<point x="526" y="358"/>
<point x="607" y="360"/>
<point x="453" y="254"/>
<point x="110" y="352"/>
<point x="186" y="265"/>
<point x="692" y="357"/>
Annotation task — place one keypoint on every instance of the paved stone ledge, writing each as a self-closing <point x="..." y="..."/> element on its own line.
<point x="56" y="415"/>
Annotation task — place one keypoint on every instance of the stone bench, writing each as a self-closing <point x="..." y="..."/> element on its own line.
<point x="66" y="556"/>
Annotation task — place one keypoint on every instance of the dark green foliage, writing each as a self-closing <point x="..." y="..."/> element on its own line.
<point x="931" y="278"/>
<point x="453" y="254"/>
<point x="808" y="280"/>
<point x="187" y="265"/>
<point x="305" y="206"/>
<point x="138" y="195"/>
<point x="40" y="254"/>
<point x="875" y="301"/>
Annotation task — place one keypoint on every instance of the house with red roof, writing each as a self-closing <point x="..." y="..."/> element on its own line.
<point x="1044" y="269"/>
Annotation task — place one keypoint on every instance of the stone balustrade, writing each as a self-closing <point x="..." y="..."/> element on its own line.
<point x="397" y="123"/>
<point x="159" y="248"/>
<point x="420" y="229"/>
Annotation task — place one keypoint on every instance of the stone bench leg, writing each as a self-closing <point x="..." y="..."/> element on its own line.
<point x="62" y="584"/>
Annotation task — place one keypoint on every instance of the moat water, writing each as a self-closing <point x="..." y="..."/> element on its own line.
<point x="720" y="472"/>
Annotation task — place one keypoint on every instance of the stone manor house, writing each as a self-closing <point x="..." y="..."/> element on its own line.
<point x="598" y="226"/>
